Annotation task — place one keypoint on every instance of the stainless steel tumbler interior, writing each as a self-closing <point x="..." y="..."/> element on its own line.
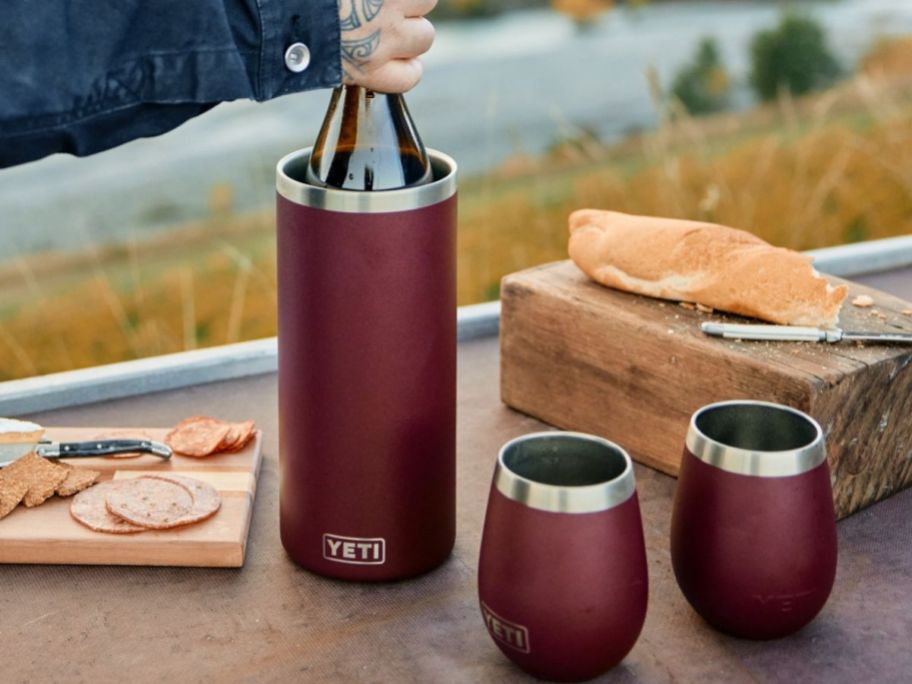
<point x="756" y="438"/>
<point x="567" y="472"/>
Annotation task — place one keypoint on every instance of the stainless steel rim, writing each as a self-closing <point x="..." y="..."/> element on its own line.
<point x="565" y="498"/>
<point x="753" y="462"/>
<point x="292" y="165"/>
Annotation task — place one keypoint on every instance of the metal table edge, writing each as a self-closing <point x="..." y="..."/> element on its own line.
<point x="258" y="357"/>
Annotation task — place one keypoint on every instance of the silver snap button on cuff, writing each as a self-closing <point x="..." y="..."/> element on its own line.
<point x="297" y="57"/>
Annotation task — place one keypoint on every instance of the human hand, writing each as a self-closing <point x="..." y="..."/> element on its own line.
<point x="382" y="40"/>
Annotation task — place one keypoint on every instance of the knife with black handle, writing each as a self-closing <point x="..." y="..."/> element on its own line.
<point x="101" y="447"/>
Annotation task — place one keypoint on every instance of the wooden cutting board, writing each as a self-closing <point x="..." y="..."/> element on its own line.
<point x="48" y="534"/>
<point x="581" y="356"/>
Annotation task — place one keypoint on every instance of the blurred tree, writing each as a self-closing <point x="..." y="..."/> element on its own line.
<point x="702" y="85"/>
<point x="793" y="56"/>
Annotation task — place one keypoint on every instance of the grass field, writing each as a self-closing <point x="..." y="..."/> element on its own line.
<point x="825" y="170"/>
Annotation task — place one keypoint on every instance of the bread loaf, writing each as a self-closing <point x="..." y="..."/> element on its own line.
<point x="727" y="269"/>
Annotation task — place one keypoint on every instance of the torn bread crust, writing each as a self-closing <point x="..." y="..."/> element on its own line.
<point x="716" y="266"/>
<point x="675" y="287"/>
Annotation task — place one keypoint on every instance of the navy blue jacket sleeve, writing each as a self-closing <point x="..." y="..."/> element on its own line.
<point x="81" y="76"/>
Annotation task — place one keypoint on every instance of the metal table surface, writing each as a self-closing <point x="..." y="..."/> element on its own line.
<point x="271" y="621"/>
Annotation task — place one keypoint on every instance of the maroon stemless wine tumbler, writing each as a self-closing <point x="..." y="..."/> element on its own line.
<point x="753" y="532"/>
<point x="562" y="577"/>
<point x="367" y="374"/>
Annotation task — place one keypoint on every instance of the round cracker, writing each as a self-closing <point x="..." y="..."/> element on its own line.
<point x="206" y="499"/>
<point x="240" y="434"/>
<point x="153" y="503"/>
<point x="198" y="436"/>
<point x="234" y="435"/>
<point x="89" y="508"/>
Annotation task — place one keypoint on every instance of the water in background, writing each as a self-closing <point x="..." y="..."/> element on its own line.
<point x="492" y="88"/>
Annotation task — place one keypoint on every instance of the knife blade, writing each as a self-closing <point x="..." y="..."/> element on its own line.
<point x="794" y="333"/>
<point x="102" y="447"/>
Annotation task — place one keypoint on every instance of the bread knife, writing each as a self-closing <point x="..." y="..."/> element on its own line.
<point x="793" y="333"/>
<point x="102" y="447"/>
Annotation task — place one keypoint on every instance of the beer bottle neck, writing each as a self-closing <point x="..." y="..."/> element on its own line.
<point x="368" y="142"/>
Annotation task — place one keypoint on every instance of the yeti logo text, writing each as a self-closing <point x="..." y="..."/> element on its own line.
<point x="506" y="632"/>
<point x="354" y="550"/>
<point x="784" y="603"/>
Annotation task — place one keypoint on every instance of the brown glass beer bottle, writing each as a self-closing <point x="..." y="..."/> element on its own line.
<point x="368" y="142"/>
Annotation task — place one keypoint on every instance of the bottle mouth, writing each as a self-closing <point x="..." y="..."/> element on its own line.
<point x="291" y="184"/>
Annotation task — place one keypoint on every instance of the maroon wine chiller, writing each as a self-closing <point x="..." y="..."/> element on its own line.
<point x="367" y="374"/>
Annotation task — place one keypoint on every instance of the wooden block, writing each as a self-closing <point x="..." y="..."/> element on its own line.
<point x="633" y="369"/>
<point x="48" y="534"/>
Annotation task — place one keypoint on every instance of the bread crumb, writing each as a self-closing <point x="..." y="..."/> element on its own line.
<point x="671" y="331"/>
<point x="702" y="308"/>
<point x="687" y="305"/>
<point x="878" y="314"/>
<point x="907" y="312"/>
<point x="863" y="301"/>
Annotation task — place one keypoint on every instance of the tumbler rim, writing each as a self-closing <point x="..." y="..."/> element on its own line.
<point x="755" y="462"/>
<point x="350" y="201"/>
<point x="593" y="498"/>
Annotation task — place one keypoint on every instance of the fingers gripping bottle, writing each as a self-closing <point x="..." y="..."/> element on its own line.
<point x="367" y="345"/>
